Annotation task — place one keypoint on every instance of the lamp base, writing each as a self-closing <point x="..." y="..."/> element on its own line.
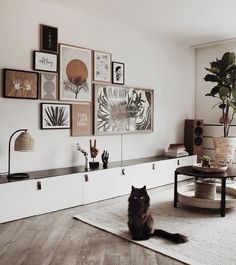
<point x="18" y="176"/>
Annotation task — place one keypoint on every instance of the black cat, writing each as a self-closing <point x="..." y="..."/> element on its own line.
<point x="140" y="221"/>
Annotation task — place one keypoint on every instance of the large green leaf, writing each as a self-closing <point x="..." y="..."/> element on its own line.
<point x="214" y="91"/>
<point x="212" y="78"/>
<point x="224" y="91"/>
<point x="227" y="59"/>
<point x="214" y="70"/>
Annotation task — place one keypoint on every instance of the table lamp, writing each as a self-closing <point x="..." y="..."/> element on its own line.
<point x="23" y="143"/>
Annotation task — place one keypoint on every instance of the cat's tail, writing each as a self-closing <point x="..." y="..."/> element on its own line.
<point x="176" y="238"/>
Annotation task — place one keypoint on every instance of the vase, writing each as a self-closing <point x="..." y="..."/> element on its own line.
<point x="224" y="149"/>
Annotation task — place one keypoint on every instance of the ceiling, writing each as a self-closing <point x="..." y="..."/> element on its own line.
<point x="191" y="22"/>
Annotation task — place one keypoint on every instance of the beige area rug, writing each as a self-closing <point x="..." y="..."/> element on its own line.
<point x="212" y="239"/>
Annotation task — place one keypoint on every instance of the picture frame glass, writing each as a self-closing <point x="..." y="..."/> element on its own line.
<point x="55" y="116"/>
<point x="49" y="86"/>
<point x="81" y="120"/>
<point x="121" y="110"/>
<point x="75" y="73"/>
<point x="102" y="66"/>
<point x="49" y="38"/>
<point x="118" y="73"/>
<point x="44" y="61"/>
<point x="20" y="84"/>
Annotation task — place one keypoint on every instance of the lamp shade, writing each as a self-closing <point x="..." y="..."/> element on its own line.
<point x="24" y="142"/>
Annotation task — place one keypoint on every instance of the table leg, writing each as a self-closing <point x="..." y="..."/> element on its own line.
<point x="175" y="190"/>
<point x="223" y="186"/>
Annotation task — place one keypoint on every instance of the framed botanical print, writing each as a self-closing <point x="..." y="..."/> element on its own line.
<point x="55" y="116"/>
<point x="75" y="73"/>
<point x="118" y="73"/>
<point x="102" y="66"/>
<point x="48" y="38"/>
<point x="81" y="120"/>
<point x="121" y="109"/>
<point x="44" y="61"/>
<point x="20" y="84"/>
<point x="49" y="86"/>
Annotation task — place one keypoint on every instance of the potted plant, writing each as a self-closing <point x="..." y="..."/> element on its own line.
<point x="223" y="74"/>
<point x="206" y="161"/>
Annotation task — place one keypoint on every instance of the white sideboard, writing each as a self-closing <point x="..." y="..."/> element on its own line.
<point x="51" y="190"/>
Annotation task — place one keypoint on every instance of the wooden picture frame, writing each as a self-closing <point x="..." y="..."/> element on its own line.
<point x="81" y="120"/>
<point x="75" y="73"/>
<point x="49" y="86"/>
<point x="120" y="109"/>
<point x="55" y="116"/>
<point x="20" y="84"/>
<point x="101" y="67"/>
<point x="48" y="38"/>
<point x="118" y="73"/>
<point x="44" y="61"/>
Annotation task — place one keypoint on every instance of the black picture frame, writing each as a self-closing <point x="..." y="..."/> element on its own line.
<point x="118" y="73"/>
<point x="45" y="61"/>
<point x="48" y="38"/>
<point x="52" y="116"/>
<point x="20" y="84"/>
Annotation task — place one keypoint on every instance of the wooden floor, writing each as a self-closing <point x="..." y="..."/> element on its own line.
<point x="57" y="239"/>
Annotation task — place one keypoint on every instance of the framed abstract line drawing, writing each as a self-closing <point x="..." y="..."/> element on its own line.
<point x="20" y="84"/>
<point x="121" y="110"/>
<point x="48" y="38"/>
<point x="49" y="86"/>
<point x="81" y="120"/>
<point x="118" y="73"/>
<point x="55" y="116"/>
<point x="75" y="73"/>
<point x="101" y="66"/>
<point x="44" y="61"/>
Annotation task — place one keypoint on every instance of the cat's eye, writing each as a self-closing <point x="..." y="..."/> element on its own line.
<point x="141" y="198"/>
<point x="135" y="197"/>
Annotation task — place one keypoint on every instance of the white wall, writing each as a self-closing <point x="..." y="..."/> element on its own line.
<point x="150" y="62"/>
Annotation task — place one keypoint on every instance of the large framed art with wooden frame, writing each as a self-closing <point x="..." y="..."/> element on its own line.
<point x="121" y="109"/>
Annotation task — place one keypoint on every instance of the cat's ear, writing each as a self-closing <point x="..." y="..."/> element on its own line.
<point x="144" y="187"/>
<point x="133" y="188"/>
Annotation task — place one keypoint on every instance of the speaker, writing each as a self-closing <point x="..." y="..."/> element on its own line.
<point x="193" y="137"/>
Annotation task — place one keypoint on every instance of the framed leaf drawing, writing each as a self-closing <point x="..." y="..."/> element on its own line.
<point x="75" y="73"/>
<point x="81" y="120"/>
<point x="102" y="66"/>
<point x="55" y="116"/>
<point x="49" y="86"/>
<point x="20" y="84"/>
<point x="122" y="109"/>
<point x="48" y="38"/>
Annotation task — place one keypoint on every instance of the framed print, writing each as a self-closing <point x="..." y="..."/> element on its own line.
<point x="48" y="38"/>
<point x="20" y="84"/>
<point x="102" y="66"/>
<point x="55" y="116"/>
<point x="49" y="87"/>
<point x="118" y="73"/>
<point x="44" y="61"/>
<point x="81" y="120"/>
<point x="122" y="109"/>
<point x="75" y="73"/>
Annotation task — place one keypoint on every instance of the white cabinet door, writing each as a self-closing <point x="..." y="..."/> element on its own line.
<point x="186" y="161"/>
<point x="102" y="184"/>
<point x="137" y="176"/>
<point x="58" y="192"/>
<point x="163" y="173"/>
<point x="17" y="200"/>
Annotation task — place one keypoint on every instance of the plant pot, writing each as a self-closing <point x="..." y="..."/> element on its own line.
<point x="205" y="190"/>
<point x="224" y="149"/>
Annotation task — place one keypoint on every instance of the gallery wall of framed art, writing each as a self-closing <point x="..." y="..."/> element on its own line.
<point x="85" y="87"/>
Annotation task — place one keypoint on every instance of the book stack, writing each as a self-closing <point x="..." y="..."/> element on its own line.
<point x="176" y="150"/>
